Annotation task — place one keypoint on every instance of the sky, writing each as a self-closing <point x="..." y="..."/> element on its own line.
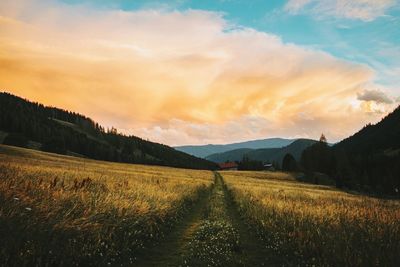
<point x="198" y="72"/>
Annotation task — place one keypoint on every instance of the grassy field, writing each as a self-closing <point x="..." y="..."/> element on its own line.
<point x="311" y="225"/>
<point x="59" y="210"/>
<point x="64" y="211"/>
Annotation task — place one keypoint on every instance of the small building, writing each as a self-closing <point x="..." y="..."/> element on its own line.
<point x="268" y="167"/>
<point x="228" y="166"/>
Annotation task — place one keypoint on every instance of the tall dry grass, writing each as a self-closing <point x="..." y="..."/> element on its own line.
<point x="65" y="211"/>
<point x="311" y="225"/>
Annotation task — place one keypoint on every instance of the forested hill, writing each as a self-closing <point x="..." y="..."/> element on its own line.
<point x="383" y="136"/>
<point x="369" y="160"/>
<point x="372" y="155"/>
<point x="27" y="124"/>
<point x="266" y="154"/>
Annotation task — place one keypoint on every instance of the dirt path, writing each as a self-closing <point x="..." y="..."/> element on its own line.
<point x="169" y="251"/>
<point x="213" y="234"/>
<point x="254" y="252"/>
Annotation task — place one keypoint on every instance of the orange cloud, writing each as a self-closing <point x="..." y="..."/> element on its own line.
<point x="177" y="77"/>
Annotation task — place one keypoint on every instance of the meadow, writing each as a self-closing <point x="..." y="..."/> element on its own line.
<point x="310" y="225"/>
<point x="66" y="211"/>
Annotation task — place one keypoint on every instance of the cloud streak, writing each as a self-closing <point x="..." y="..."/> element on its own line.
<point x="365" y="10"/>
<point x="176" y="77"/>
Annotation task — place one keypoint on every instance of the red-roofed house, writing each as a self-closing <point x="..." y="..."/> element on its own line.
<point x="231" y="166"/>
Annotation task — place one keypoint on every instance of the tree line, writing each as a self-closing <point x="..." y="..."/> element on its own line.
<point x="368" y="161"/>
<point x="61" y="131"/>
<point x="372" y="171"/>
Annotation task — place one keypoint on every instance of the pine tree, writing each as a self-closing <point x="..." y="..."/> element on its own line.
<point x="322" y="139"/>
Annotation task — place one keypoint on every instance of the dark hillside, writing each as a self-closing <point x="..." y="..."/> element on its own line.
<point x="371" y="157"/>
<point x="382" y="136"/>
<point x="232" y="155"/>
<point x="29" y="124"/>
<point x="368" y="161"/>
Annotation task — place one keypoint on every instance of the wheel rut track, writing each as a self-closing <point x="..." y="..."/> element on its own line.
<point x="168" y="251"/>
<point x="254" y="251"/>
<point x="172" y="249"/>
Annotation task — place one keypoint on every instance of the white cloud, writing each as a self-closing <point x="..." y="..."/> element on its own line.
<point x="176" y="77"/>
<point x="295" y="6"/>
<point x="366" y="10"/>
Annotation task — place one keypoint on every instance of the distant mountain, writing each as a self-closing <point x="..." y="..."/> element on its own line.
<point x="27" y="124"/>
<point x="231" y="155"/>
<point x="265" y="154"/>
<point x="203" y="151"/>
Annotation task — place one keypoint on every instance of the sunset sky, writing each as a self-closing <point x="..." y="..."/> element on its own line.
<point x="198" y="72"/>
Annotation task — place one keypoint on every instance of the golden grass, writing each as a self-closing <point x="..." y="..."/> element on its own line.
<point x="93" y="211"/>
<point x="317" y="225"/>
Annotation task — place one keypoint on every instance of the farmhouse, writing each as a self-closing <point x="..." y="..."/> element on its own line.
<point x="232" y="166"/>
<point x="268" y="167"/>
